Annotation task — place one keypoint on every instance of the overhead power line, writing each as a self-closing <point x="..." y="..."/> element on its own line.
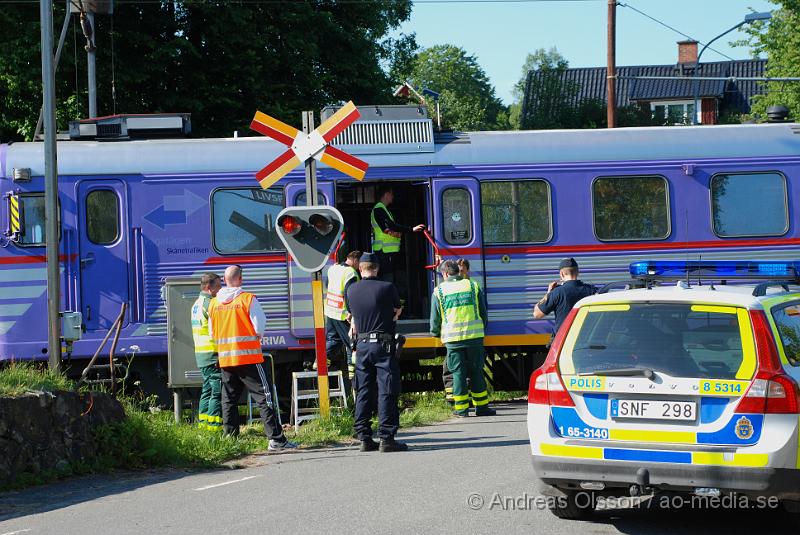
<point x="664" y="24"/>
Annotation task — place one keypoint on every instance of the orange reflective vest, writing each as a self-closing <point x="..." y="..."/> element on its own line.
<point x="238" y="343"/>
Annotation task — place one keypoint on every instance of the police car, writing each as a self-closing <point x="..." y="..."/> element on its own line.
<point x="688" y="386"/>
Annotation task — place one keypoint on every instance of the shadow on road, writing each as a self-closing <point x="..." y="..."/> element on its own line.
<point x="658" y="521"/>
<point x="63" y="494"/>
<point x="428" y="444"/>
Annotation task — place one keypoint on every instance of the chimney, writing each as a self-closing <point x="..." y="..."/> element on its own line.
<point x="687" y="52"/>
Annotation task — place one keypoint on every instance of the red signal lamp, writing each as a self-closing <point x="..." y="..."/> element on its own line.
<point x="290" y="225"/>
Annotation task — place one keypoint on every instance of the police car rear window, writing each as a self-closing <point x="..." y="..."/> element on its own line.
<point x="681" y="340"/>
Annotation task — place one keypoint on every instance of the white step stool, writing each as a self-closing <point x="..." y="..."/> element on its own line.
<point x="301" y="414"/>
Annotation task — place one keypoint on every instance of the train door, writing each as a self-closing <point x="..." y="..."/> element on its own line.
<point x="103" y="247"/>
<point x="410" y="207"/>
<point x="301" y="311"/>
<point x="457" y="216"/>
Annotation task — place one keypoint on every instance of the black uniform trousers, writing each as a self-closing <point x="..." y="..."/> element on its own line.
<point x="254" y="378"/>
<point x="377" y="372"/>
<point x="337" y="348"/>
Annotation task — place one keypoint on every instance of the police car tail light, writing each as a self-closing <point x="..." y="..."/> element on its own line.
<point x="546" y="386"/>
<point x="772" y="391"/>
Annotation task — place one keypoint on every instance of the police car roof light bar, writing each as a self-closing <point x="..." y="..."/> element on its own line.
<point x="715" y="270"/>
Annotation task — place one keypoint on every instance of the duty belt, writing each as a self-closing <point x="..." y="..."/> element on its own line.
<point x="375" y="337"/>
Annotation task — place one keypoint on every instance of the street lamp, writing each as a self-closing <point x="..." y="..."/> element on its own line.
<point x="749" y="18"/>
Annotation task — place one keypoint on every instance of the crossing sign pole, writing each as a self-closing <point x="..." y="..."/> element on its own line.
<point x="316" y="285"/>
<point x="309" y="146"/>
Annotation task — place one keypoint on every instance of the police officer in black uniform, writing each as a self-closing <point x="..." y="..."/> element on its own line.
<point x="375" y="307"/>
<point x="562" y="295"/>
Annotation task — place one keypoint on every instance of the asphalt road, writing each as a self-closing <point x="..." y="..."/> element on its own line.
<point x="462" y="477"/>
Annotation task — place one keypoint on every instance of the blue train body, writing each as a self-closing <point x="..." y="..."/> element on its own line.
<point x="136" y="212"/>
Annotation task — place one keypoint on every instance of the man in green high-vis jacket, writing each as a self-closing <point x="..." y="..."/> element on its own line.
<point x="459" y="317"/>
<point x="205" y="352"/>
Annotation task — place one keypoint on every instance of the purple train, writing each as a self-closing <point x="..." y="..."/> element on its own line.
<point x="138" y="211"/>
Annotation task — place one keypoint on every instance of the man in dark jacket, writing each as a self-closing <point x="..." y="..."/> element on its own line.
<point x="562" y="295"/>
<point x="375" y="307"/>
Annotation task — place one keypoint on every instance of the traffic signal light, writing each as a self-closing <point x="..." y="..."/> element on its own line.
<point x="309" y="233"/>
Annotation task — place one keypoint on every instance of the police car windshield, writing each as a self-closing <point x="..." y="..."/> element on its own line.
<point x="681" y="340"/>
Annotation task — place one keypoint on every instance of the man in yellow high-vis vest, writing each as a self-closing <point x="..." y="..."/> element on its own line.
<point x="458" y="316"/>
<point x="205" y="354"/>
<point x="337" y="326"/>
<point x="386" y="234"/>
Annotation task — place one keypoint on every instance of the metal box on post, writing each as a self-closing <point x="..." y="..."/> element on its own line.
<point x="180" y="294"/>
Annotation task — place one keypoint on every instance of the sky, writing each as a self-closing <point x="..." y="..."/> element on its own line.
<point x="500" y="34"/>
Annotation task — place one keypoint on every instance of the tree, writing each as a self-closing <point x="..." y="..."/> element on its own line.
<point x="218" y="60"/>
<point x="467" y="98"/>
<point x="547" y="99"/>
<point x="539" y="60"/>
<point x="779" y="40"/>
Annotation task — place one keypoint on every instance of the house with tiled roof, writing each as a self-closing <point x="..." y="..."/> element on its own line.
<point x="670" y="101"/>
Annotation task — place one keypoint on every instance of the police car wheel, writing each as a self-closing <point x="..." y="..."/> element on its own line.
<point x="573" y="505"/>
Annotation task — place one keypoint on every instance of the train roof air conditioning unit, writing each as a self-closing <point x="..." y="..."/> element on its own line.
<point x="125" y="127"/>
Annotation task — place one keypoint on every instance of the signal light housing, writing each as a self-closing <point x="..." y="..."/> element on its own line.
<point x="310" y="233"/>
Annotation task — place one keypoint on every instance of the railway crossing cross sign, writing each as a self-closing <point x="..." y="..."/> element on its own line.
<point x="306" y="146"/>
<point x="308" y="234"/>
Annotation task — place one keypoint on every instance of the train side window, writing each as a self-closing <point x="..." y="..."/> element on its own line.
<point x="749" y="204"/>
<point x="631" y="208"/>
<point x="27" y="225"/>
<point x="243" y="220"/>
<point x="102" y="216"/>
<point x="516" y="211"/>
<point x="457" y="216"/>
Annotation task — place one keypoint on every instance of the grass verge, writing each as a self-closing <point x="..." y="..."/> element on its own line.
<point x="17" y="378"/>
<point x="151" y="438"/>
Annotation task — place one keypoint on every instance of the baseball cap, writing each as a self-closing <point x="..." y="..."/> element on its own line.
<point x="371" y="258"/>
<point x="568" y="263"/>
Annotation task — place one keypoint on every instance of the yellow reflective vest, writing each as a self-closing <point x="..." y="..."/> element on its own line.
<point x="380" y="240"/>
<point x="461" y="317"/>
<point x="204" y="347"/>
<point x="338" y="277"/>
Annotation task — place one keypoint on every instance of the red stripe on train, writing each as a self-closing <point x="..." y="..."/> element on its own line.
<point x="39" y="259"/>
<point x="260" y="259"/>
<point x="608" y="247"/>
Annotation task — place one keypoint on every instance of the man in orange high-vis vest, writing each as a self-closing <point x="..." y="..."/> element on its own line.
<point x="236" y="322"/>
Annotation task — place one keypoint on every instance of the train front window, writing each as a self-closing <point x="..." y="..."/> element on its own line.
<point x="749" y="204"/>
<point x="27" y="218"/>
<point x="243" y="220"/>
<point x="631" y="208"/>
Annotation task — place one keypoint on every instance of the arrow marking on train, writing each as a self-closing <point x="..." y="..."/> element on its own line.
<point x="175" y="209"/>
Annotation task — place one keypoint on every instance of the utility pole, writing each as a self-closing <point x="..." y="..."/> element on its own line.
<point x="50" y="186"/>
<point x="87" y="25"/>
<point x="611" y="69"/>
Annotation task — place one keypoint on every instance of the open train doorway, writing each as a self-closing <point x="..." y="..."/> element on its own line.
<point x="411" y="206"/>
